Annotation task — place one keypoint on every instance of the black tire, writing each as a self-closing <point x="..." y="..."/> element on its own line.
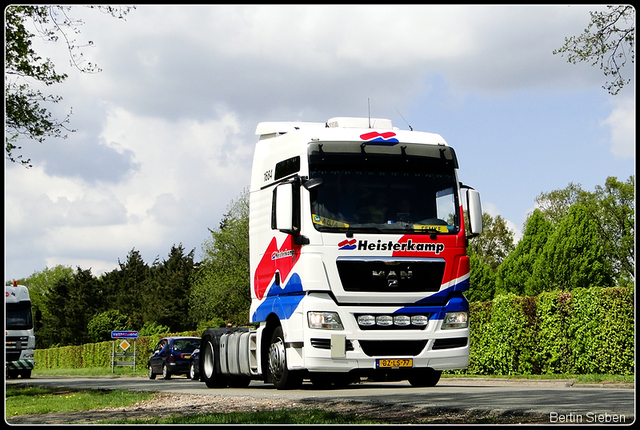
<point x="193" y="375"/>
<point x="239" y="382"/>
<point x="321" y="381"/>
<point x="151" y="374"/>
<point x="425" y="377"/>
<point x="210" y="364"/>
<point x="165" y="372"/>
<point x="281" y="376"/>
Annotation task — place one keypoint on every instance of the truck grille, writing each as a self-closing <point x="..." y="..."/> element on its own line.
<point x="13" y="355"/>
<point x="392" y="348"/>
<point x="392" y="275"/>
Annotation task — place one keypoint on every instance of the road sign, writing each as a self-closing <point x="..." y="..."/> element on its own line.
<point x="124" y="334"/>
<point x="124" y="345"/>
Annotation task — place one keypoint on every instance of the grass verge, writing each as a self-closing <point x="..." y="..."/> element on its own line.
<point x="283" y="416"/>
<point x="41" y="400"/>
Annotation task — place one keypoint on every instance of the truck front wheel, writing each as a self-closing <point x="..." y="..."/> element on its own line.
<point x="282" y="377"/>
<point x="425" y="377"/>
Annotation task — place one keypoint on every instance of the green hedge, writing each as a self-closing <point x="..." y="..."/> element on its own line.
<point x="587" y="331"/>
<point x="95" y="355"/>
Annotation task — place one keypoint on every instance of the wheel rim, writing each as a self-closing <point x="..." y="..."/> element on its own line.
<point x="277" y="360"/>
<point x="150" y="371"/>
<point x="208" y="365"/>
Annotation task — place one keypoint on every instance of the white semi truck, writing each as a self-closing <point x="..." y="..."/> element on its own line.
<point x="20" y="340"/>
<point x="358" y="259"/>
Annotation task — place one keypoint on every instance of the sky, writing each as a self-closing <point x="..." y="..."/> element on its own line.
<point x="165" y="132"/>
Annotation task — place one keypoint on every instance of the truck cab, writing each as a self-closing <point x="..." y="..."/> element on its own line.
<point x="358" y="253"/>
<point x="20" y="339"/>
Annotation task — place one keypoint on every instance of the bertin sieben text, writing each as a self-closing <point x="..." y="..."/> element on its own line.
<point x="589" y="418"/>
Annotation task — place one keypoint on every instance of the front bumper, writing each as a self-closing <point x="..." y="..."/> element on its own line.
<point x="25" y="364"/>
<point x="354" y="348"/>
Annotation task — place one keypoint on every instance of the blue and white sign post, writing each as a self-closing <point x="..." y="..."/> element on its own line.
<point x="124" y="345"/>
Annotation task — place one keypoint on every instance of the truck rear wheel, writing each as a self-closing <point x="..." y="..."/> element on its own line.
<point x="210" y="364"/>
<point x="425" y="377"/>
<point x="282" y="377"/>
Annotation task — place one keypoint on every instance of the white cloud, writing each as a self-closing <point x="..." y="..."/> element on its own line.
<point x="165" y="134"/>
<point x="622" y="123"/>
<point x="493" y="210"/>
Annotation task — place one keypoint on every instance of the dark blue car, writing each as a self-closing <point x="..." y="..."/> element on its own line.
<point x="171" y="356"/>
<point x="194" y="365"/>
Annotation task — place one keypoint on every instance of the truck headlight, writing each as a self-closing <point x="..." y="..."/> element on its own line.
<point x="324" y="320"/>
<point x="455" y="320"/>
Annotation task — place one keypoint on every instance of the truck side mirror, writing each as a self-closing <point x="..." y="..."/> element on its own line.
<point x="284" y="207"/>
<point x="474" y="208"/>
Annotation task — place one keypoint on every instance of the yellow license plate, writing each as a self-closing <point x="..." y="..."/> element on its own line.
<point x="394" y="362"/>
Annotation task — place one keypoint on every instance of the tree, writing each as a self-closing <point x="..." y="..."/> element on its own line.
<point x="100" y="326"/>
<point x="26" y="116"/>
<point x="39" y="285"/>
<point x="221" y="285"/>
<point x="124" y="287"/>
<point x="72" y="302"/>
<point x="573" y="257"/>
<point x="555" y="204"/>
<point x="166" y="290"/>
<point x="486" y="253"/>
<point x="608" y="41"/>
<point x="517" y="268"/>
<point x="616" y="218"/>
<point x="612" y="208"/>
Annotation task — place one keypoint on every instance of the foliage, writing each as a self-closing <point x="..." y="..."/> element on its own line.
<point x="573" y="257"/>
<point x="517" y="268"/>
<point x="608" y="42"/>
<point x="26" y="116"/>
<point x="601" y="330"/>
<point x="70" y="304"/>
<point x="221" y="285"/>
<point x="76" y="302"/>
<point x="98" y="355"/>
<point x="165" y="293"/>
<point x="123" y="287"/>
<point x="589" y="330"/>
<point x="100" y="326"/>
<point x="555" y="204"/>
<point x="151" y="327"/>
<point x="486" y="253"/>
<point x="553" y="310"/>
<point x="615" y="216"/>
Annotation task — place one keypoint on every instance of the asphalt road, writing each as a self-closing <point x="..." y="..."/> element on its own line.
<point x="561" y="400"/>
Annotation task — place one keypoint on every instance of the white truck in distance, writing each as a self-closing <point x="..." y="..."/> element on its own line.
<point x="20" y="340"/>
<point x="357" y="259"/>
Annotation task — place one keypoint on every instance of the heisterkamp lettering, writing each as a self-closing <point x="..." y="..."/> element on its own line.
<point x="408" y="246"/>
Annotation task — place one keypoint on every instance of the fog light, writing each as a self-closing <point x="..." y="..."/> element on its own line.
<point x="420" y="320"/>
<point x="455" y="320"/>
<point x="401" y="320"/>
<point x="384" y="320"/>
<point x="366" y="320"/>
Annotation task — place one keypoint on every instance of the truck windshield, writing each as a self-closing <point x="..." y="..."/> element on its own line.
<point x="384" y="193"/>
<point x="19" y="316"/>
